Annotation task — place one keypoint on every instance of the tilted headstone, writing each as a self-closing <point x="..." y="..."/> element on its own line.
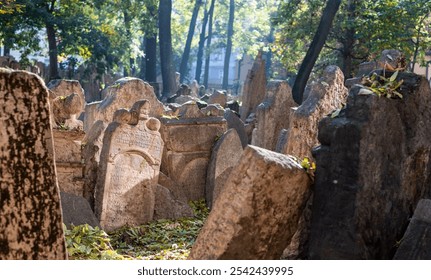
<point x="373" y="166"/>
<point x="257" y="211"/>
<point x="254" y="88"/>
<point x="224" y="156"/>
<point x="273" y="115"/>
<point x="416" y="242"/>
<point x="188" y="142"/>
<point x="30" y="212"/>
<point x="325" y="96"/>
<point x="77" y="211"/>
<point x="129" y="168"/>
<point x="167" y="206"/>
<point x="218" y="97"/>
<point x="233" y="121"/>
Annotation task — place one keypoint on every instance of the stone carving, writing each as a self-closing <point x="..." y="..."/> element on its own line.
<point x="373" y="166"/>
<point x="257" y="211"/>
<point x="129" y="168"/>
<point x="30" y="212"/>
<point x="68" y="102"/>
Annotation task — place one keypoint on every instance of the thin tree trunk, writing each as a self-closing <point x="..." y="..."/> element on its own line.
<point x="186" y="53"/>
<point x="165" y="41"/>
<point x="53" y="52"/>
<point x="209" y="37"/>
<point x="349" y="41"/>
<point x="228" y="44"/>
<point x="201" y="48"/>
<point x="151" y="59"/>
<point x="314" y="49"/>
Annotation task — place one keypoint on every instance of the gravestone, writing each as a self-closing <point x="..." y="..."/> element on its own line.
<point x="77" y="211"/>
<point x="67" y="103"/>
<point x="188" y="142"/>
<point x="254" y="88"/>
<point x="224" y="156"/>
<point x="273" y="115"/>
<point x="415" y="244"/>
<point x="167" y="206"/>
<point x="218" y="97"/>
<point x="325" y="96"/>
<point x="257" y="211"/>
<point x="68" y="160"/>
<point x="30" y="212"/>
<point x="129" y="168"/>
<point x="373" y="166"/>
<point x="233" y="121"/>
<point x="123" y="94"/>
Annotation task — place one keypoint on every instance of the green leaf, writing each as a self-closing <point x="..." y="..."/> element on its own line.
<point x="393" y="77"/>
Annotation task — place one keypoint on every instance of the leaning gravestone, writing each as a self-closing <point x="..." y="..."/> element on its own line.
<point x="30" y="212"/>
<point x="224" y="156"/>
<point x="258" y="210"/>
<point x="324" y="96"/>
<point x="129" y="168"/>
<point x="372" y="169"/>
<point x="254" y="88"/>
<point x="415" y="244"/>
<point x="273" y="114"/>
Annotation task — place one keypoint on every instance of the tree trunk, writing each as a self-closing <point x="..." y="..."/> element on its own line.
<point x="53" y="52"/>
<point x="209" y="37"/>
<point x="228" y="45"/>
<point x="165" y="41"/>
<point x="150" y="59"/>
<point x="314" y="49"/>
<point x="201" y="48"/>
<point x="186" y="53"/>
<point x="349" y="41"/>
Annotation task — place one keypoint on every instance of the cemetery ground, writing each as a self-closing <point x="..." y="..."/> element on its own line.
<point x="157" y="240"/>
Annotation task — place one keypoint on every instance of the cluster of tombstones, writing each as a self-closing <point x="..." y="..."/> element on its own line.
<point x="129" y="159"/>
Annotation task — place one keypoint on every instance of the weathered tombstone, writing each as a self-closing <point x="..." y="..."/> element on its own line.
<point x="373" y="166"/>
<point x="194" y="88"/>
<point x="68" y="160"/>
<point x="233" y="121"/>
<point x="224" y="156"/>
<point x="218" y="97"/>
<point x="325" y="96"/>
<point x="258" y="210"/>
<point x="273" y="114"/>
<point x="77" y="211"/>
<point x="188" y="142"/>
<point x="415" y="244"/>
<point x="123" y="94"/>
<point x="129" y="168"/>
<point x="30" y="212"/>
<point x="254" y="88"/>
<point x="167" y="206"/>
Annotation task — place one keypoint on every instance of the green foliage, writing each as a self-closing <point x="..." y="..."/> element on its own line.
<point x="163" y="239"/>
<point x="84" y="242"/>
<point x="381" y="86"/>
<point x="309" y="166"/>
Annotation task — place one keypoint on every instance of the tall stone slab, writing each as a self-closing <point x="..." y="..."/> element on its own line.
<point x="258" y="210"/>
<point x="233" y="121"/>
<point x="123" y="94"/>
<point x="373" y="167"/>
<point x="254" y="88"/>
<point x="129" y="168"/>
<point x="30" y="212"/>
<point x="224" y="156"/>
<point x="273" y="115"/>
<point x="416" y="242"/>
<point x="324" y="96"/>
<point x="187" y="150"/>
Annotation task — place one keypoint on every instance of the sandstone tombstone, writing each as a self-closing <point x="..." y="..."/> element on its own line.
<point x="30" y="212"/>
<point x="77" y="211"/>
<point x="167" y="206"/>
<point x="188" y="142"/>
<point x="415" y="243"/>
<point x="373" y="166"/>
<point x="67" y="102"/>
<point x="224" y="156"/>
<point x="258" y="210"/>
<point x="218" y="97"/>
<point x="254" y="88"/>
<point x="325" y="96"/>
<point x="233" y="121"/>
<point x="194" y="88"/>
<point x="129" y="168"/>
<point x="123" y="94"/>
<point x="273" y="114"/>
